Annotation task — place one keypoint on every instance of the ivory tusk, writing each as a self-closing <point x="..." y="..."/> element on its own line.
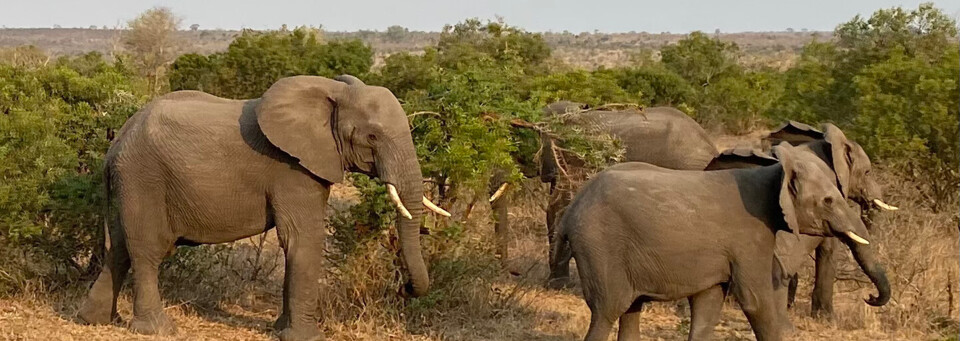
<point x="496" y="195"/>
<point x="884" y="205"/>
<point x="857" y="238"/>
<point x="396" y="201"/>
<point x="429" y="204"/>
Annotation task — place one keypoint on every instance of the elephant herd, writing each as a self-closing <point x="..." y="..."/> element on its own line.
<point x="677" y="220"/>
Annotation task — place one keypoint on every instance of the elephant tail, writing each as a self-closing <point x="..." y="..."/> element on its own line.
<point x="107" y="203"/>
<point x="560" y="255"/>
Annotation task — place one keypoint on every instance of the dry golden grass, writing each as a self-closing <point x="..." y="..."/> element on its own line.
<point x="233" y="291"/>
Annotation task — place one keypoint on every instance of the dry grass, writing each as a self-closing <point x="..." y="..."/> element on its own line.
<point x="233" y="291"/>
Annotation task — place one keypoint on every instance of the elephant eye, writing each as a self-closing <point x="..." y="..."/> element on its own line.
<point x="372" y="137"/>
<point x="828" y="201"/>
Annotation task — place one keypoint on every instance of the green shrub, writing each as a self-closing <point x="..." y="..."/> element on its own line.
<point x="890" y="81"/>
<point x="255" y="60"/>
<point x="55" y="126"/>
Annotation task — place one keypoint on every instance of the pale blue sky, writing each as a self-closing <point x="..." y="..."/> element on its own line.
<point x="430" y="15"/>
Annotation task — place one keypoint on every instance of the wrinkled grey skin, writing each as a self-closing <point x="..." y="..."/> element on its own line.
<point x="191" y="168"/>
<point x="661" y="136"/>
<point x="643" y="233"/>
<point x="852" y="167"/>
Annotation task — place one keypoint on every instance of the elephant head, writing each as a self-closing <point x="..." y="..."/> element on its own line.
<point x="852" y="166"/>
<point x="335" y="125"/>
<point x="847" y="158"/>
<point x="812" y="204"/>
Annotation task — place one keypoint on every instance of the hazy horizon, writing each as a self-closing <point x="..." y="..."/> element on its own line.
<point x="431" y="15"/>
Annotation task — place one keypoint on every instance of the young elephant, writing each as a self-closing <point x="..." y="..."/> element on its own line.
<point x="643" y="233"/>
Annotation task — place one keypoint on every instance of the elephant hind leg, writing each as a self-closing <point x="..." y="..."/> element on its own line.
<point x="100" y="307"/>
<point x="149" y="239"/>
<point x="705" y="308"/>
<point x="629" y="328"/>
<point x="615" y="303"/>
<point x="600" y="328"/>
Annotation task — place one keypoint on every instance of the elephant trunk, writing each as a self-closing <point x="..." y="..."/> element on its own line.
<point x="399" y="166"/>
<point x="866" y="258"/>
<point x="548" y="161"/>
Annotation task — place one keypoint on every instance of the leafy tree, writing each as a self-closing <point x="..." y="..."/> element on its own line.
<point x="890" y="81"/>
<point x="396" y="33"/>
<point x="465" y="94"/>
<point x="656" y="85"/>
<point x="56" y="124"/>
<point x="153" y="43"/>
<point x="592" y="88"/>
<point x="700" y="59"/>
<point x="255" y="60"/>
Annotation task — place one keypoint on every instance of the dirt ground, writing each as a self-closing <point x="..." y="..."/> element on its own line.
<point x="551" y="315"/>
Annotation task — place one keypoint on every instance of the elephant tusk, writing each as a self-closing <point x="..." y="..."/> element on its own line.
<point x="496" y="195"/>
<point x="429" y="204"/>
<point x="857" y="238"/>
<point x="884" y="205"/>
<point x="396" y="201"/>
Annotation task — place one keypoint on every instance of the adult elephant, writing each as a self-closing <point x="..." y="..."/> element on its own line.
<point x="191" y="168"/>
<point x="661" y="136"/>
<point x="643" y="233"/>
<point x="851" y="167"/>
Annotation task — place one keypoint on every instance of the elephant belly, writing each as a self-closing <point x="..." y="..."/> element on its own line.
<point x="661" y="274"/>
<point x="219" y="218"/>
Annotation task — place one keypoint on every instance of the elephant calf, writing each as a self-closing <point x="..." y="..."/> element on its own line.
<point x="642" y="233"/>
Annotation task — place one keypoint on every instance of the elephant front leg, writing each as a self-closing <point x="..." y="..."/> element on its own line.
<point x="753" y="289"/>
<point x="822" y="297"/>
<point x="301" y="235"/>
<point x="298" y="321"/>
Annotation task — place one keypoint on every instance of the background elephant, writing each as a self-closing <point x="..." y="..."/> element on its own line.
<point x="644" y="233"/>
<point x="191" y="168"/>
<point x="662" y="136"/>
<point x="851" y="166"/>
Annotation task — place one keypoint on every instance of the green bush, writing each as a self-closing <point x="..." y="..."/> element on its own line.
<point x="891" y="82"/>
<point x="55" y="127"/>
<point x="255" y="60"/>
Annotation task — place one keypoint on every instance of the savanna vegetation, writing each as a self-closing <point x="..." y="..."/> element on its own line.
<point x="474" y="100"/>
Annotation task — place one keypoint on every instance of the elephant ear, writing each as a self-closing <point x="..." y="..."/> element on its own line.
<point x="349" y="79"/>
<point x="740" y="158"/>
<point x="788" y="187"/>
<point x="297" y="114"/>
<point x="840" y="156"/>
<point x="794" y="133"/>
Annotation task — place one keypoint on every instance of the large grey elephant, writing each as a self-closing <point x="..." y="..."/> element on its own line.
<point x="662" y="136"/>
<point x="191" y="168"/>
<point x="643" y="233"/>
<point x="851" y="166"/>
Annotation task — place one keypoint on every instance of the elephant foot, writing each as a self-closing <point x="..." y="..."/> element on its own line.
<point x="302" y="334"/>
<point x="557" y="283"/>
<point x="788" y="330"/>
<point x="154" y="324"/>
<point x="97" y="314"/>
